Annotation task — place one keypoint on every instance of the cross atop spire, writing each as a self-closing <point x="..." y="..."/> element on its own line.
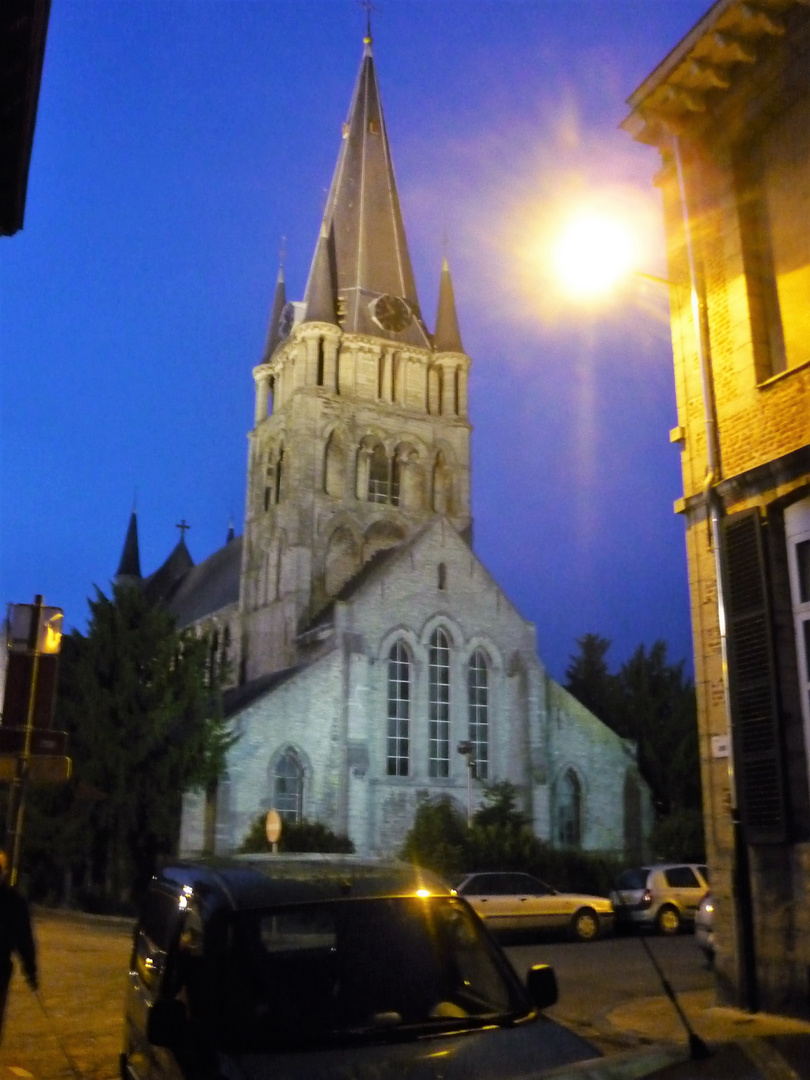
<point x="182" y="526"/>
<point x="369" y="6"/>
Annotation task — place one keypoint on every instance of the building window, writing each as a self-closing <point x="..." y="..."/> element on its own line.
<point x="441" y="580"/>
<point x="288" y="786"/>
<point x="439" y="705"/>
<point x="569" y="810"/>
<point x="378" y="475"/>
<point x="773" y="182"/>
<point x="396" y="478"/>
<point x="399" y="711"/>
<point x="279" y="475"/>
<point x="478" y="712"/>
<point x="797" y="531"/>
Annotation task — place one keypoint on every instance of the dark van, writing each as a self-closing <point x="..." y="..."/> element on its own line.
<point x="302" y="967"/>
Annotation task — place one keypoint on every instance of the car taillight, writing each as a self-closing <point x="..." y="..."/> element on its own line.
<point x="646" y="899"/>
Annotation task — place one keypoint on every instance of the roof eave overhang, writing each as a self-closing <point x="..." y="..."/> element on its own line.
<point x="706" y="63"/>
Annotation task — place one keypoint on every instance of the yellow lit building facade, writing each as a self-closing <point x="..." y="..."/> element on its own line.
<point x="729" y="112"/>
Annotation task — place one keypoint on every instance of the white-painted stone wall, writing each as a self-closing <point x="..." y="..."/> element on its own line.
<point x="332" y="712"/>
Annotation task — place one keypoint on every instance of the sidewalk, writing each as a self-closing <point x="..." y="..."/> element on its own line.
<point x="654" y="1019"/>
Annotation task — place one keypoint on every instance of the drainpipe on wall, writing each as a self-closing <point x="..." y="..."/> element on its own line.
<point x="748" y="988"/>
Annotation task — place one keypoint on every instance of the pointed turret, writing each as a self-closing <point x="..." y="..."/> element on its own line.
<point x="447" y="337"/>
<point x="321" y="289"/>
<point x="367" y="251"/>
<point x="129" y="568"/>
<point x="273" y="328"/>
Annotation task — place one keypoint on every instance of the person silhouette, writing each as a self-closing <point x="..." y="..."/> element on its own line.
<point x="15" y="937"/>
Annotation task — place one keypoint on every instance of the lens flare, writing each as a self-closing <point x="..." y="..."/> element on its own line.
<point x="593" y="253"/>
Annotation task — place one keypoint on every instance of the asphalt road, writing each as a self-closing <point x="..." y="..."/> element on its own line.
<point x="594" y="978"/>
<point x="73" y="1029"/>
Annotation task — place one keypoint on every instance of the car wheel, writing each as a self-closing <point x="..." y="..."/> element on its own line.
<point x="668" y="920"/>
<point x="585" y="925"/>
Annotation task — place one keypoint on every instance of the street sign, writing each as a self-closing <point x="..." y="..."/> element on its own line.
<point x="42" y="769"/>
<point x="272" y="826"/>
<point x="43" y="741"/>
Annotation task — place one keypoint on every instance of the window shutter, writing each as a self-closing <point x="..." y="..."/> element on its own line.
<point x="752" y="683"/>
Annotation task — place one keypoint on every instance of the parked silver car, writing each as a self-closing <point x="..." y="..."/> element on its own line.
<point x="663" y="897"/>
<point x="512" y="901"/>
<point x="704" y="927"/>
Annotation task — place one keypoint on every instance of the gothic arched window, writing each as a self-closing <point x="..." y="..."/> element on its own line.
<point x="399" y="711"/>
<point x="279" y="478"/>
<point x="378" y="475"/>
<point x="439" y="705"/>
<point x="569" y="810"/>
<point x="288" y="786"/>
<point x="478" y="712"/>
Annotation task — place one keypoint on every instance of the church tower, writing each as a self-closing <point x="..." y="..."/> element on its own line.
<point x="361" y="434"/>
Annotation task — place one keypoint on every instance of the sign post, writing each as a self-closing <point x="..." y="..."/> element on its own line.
<point x="272" y="828"/>
<point x="29" y="749"/>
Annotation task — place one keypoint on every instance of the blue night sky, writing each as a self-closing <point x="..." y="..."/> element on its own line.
<point x="178" y="141"/>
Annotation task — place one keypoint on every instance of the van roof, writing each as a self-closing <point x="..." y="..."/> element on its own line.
<point x="255" y="881"/>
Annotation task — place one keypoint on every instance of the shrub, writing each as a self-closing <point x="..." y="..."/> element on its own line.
<point x="297" y="836"/>
<point x="438" y="840"/>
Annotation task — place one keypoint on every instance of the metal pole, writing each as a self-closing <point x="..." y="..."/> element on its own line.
<point x="20" y="783"/>
<point x="748" y="990"/>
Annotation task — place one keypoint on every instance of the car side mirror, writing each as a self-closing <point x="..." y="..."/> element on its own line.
<point x="166" y="1022"/>
<point x="541" y="982"/>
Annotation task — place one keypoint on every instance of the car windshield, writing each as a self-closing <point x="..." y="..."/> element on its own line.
<point x="360" y="969"/>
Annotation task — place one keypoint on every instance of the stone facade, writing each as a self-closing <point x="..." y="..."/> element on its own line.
<point x="362" y="638"/>
<point x="729" y="110"/>
<point x="578" y="780"/>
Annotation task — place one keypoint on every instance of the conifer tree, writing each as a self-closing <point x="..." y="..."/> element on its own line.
<point x="145" y="721"/>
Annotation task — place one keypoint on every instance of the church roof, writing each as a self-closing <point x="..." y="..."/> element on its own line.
<point x="209" y="586"/>
<point x="239" y="697"/>
<point x="161" y="585"/>
<point x="362" y="222"/>
<point x="448" y="336"/>
<point x="279" y="300"/>
<point x="129" y="568"/>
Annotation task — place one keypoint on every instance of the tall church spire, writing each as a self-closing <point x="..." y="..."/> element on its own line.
<point x="273" y="327"/>
<point x="129" y="568"/>
<point x="368" y="252"/>
<point x="447" y="337"/>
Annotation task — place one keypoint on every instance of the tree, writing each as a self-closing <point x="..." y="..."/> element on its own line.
<point x="145" y="723"/>
<point x="661" y="709"/>
<point x="438" y="838"/>
<point x="652" y="702"/>
<point x="590" y="681"/>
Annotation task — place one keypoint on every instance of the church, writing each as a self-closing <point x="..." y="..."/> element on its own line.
<point x="374" y="661"/>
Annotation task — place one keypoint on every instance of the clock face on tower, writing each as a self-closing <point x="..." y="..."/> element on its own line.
<point x="391" y="313"/>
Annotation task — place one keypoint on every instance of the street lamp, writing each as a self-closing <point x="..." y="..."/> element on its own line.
<point x="467" y="749"/>
<point x="593" y="272"/>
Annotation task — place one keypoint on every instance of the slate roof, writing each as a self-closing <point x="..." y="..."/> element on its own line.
<point x="362" y="222"/>
<point x="209" y="586"/>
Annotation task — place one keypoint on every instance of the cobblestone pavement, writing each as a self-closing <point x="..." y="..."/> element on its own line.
<point x="73" y="1028"/>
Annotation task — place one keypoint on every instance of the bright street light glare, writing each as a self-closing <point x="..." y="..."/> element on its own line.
<point x="593" y="253"/>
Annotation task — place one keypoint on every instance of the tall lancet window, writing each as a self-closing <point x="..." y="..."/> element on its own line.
<point x="439" y="705"/>
<point x="378" y="475"/>
<point x="397" y="747"/>
<point x="478" y="712"/>
<point x="569" y="810"/>
<point x="288" y="786"/>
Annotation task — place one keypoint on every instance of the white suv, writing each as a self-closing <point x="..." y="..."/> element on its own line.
<point x="663" y="897"/>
